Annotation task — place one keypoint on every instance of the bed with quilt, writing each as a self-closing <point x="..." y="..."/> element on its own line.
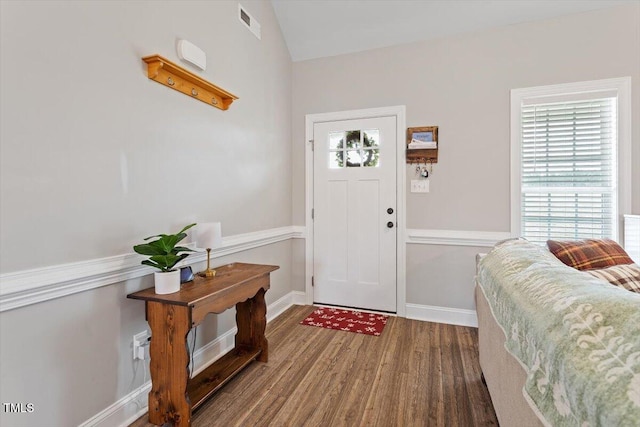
<point x="559" y="341"/>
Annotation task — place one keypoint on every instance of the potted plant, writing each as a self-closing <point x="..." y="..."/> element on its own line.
<point x="164" y="255"/>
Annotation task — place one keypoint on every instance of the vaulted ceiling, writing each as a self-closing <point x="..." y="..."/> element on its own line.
<point x="319" y="28"/>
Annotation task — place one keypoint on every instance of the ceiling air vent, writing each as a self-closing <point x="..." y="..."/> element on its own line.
<point x="249" y="21"/>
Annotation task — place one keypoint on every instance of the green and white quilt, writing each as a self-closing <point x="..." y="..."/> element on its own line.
<point x="577" y="337"/>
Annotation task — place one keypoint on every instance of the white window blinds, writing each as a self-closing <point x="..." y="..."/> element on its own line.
<point x="568" y="169"/>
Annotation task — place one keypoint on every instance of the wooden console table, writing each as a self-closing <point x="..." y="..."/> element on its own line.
<point x="173" y="394"/>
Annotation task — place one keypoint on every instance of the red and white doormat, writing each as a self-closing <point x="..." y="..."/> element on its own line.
<point x="347" y="320"/>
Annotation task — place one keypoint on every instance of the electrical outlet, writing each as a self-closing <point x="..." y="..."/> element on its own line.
<point x="140" y="345"/>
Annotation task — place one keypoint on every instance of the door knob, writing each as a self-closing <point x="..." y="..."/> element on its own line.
<point x="390" y="224"/>
<point x="390" y="211"/>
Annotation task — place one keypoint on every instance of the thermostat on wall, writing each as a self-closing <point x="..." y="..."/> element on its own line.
<point x="191" y="53"/>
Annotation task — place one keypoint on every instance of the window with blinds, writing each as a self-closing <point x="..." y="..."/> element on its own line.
<point x="568" y="169"/>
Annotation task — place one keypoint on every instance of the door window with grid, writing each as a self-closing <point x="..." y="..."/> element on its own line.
<point x="362" y="148"/>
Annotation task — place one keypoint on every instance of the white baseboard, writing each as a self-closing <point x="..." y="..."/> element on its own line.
<point x="278" y="307"/>
<point x="299" y="298"/>
<point x="124" y="411"/>
<point x="451" y="316"/>
<point x="132" y="406"/>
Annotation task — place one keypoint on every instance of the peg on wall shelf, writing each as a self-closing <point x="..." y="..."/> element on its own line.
<point x="420" y="160"/>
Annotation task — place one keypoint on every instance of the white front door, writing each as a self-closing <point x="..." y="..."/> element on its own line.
<point x="355" y="213"/>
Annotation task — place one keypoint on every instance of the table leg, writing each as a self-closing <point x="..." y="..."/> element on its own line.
<point x="169" y="366"/>
<point x="251" y="319"/>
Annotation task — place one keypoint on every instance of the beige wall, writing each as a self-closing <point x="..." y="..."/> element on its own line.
<point x="95" y="156"/>
<point x="462" y="84"/>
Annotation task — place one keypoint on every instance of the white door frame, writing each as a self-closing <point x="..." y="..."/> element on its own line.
<point x="401" y="185"/>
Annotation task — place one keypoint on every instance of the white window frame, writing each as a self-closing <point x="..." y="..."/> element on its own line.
<point x="622" y="87"/>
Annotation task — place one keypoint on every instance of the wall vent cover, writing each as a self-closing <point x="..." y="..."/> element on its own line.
<point x="249" y="21"/>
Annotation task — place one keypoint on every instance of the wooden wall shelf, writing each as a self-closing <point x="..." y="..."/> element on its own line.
<point x="422" y="155"/>
<point x="174" y="76"/>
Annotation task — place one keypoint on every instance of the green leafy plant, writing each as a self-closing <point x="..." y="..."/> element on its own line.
<point x="163" y="252"/>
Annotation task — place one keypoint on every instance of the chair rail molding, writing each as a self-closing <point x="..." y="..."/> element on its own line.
<point x="455" y="237"/>
<point x="21" y="288"/>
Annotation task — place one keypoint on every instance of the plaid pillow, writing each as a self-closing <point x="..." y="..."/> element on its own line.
<point x="626" y="276"/>
<point x="589" y="254"/>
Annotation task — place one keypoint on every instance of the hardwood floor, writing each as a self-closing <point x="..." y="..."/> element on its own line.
<point x="415" y="374"/>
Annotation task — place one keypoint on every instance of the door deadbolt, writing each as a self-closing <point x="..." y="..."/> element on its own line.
<point x="390" y="224"/>
<point x="390" y="211"/>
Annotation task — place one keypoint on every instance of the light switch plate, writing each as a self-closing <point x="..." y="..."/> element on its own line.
<point x="419" y="185"/>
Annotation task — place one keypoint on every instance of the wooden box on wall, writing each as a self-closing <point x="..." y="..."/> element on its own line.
<point x="422" y="136"/>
